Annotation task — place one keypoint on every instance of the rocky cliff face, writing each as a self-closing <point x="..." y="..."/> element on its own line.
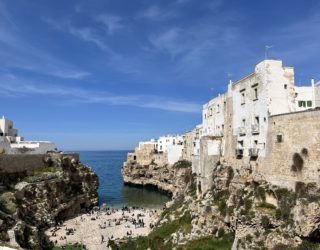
<point x="240" y="205"/>
<point x="171" y="179"/>
<point x="34" y="200"/>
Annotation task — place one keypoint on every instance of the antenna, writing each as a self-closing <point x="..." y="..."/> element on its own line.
<point x="267" y="47"/>
<point x="230" y="77"/>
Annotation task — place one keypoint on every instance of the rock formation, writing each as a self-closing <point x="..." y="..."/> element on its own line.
<point x="241" y="210"/>
<point x="33" y="200"/>
<point x="167" y="178"/>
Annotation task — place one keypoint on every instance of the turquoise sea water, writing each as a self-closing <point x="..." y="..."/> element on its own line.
<point x="112" y="191"/>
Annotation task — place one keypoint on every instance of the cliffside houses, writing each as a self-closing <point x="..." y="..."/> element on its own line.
<point x="246" y="126"/>
<point x="12" y="143"/>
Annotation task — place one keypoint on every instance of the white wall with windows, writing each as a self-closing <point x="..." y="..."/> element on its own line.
<point x="165" y="141"/>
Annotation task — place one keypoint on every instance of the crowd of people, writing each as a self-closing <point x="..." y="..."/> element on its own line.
<point x="127" y="221"/>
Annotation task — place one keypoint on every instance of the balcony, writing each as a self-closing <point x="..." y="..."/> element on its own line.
<point x="253" y="152"/>
<point x="255" y="129"/>
<point x="218" y="133"/>
<point x="242" y="131"/>
<point x="239" y="153"/>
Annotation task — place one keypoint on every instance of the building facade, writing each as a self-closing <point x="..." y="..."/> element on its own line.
<point x="12" y="143"/>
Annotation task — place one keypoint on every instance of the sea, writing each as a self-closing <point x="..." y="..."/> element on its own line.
<point x="112" y="191"/>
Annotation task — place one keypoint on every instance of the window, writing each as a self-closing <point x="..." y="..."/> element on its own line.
<point x="264" y="119"/>
<point x="309" y="103"/>
<point x="243" y="100"/>
<point x="302" y="104"/>
<point x="256" y="120"/>
<point x="279" y="138"/>
<point x="218" y="108"/>
<point x="205" y="116"/>
<point x="255" y="97"/>
<point x="240" y="143"/>
<point x="255" y="143"/>
<point x="243" y="122"/>
<point x="210" y="112"/>
<point x="285" y="86"/>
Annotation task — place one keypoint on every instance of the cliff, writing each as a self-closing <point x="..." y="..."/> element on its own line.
<point x="241" y="210"/>
<point x="167" y="178"/>
<point x="33" y="200"/>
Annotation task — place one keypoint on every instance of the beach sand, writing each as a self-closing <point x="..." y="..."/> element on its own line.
<point x="95" y="229"/>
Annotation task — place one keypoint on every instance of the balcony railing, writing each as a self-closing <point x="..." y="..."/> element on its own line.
<point x="242" y="131"/>
<point x="239" y="152"/>
<point x="255" y="129"/>
<point x="254" y="152"/>
<point x="218" y="133"/>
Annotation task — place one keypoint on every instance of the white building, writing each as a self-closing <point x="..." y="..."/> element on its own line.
<point x="213" y="116"/>
<point x="151" y="142"/>
<point x="167" y="141"/>
<point x="12" y="143"/>
<point x="269" y="90"/>
<point x="172" y="145"/>
<point x="307" y="97"/>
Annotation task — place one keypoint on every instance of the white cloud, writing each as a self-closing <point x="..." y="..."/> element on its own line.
<point x="16" y="87"/>
<point x="16" y="52"/>
<point x="112" y="23"/>
<point x="169" y="41"/>
<point x="154" y="13"/>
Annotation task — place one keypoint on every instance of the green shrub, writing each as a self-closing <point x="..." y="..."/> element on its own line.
<point x="247" y="204"/>
<point x="286" y="201"/>
<point x="157" y="238"/>
<point x="220" y="232"/>
<point x="260" y="193"/>
<point x="209" y="243"/>
<point x="7" y="202"/>
<point x="222" y="207"/>
<point x="265" y="222"/>
<point x="182" y="164"/>
<point x="267" y="205"/>
<point x="249" y="238"/>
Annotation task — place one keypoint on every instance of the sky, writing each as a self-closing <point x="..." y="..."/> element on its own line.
<point x="105" y="74"/>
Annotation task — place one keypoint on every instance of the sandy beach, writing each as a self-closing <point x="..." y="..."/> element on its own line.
<point x="94" y="229"/>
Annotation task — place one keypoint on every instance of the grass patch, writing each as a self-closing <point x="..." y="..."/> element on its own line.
<point x="210" y="243"/>
<point x="41" y="174"/>
<point x="69" y="247"/>
<point x="156" y="239"/>
<point x="267" y="205"/>
<point x="286" y="200"/>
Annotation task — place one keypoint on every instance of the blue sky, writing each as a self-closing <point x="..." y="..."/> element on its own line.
<point x="106" y="74"/>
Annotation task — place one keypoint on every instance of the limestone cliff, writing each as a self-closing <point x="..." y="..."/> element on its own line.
<point x="171" y="179"/>
<point x="240" y="211"/>
<point x="33" y="200"/>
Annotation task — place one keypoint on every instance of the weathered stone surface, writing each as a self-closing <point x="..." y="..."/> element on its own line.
<point x="44" y="196"/>
<point x="171" y="179"/>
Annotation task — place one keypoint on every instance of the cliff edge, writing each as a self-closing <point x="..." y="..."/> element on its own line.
<point x="32" y="200"/>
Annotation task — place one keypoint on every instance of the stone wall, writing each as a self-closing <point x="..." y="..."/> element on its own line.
<point x="21" y="162"/>
<point x="293" y="149"/>
<point x="209" y="157"/>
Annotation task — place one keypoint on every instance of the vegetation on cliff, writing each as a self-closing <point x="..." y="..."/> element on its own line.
<point x="240" y="209"/>
<point x="33" y="200"/>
